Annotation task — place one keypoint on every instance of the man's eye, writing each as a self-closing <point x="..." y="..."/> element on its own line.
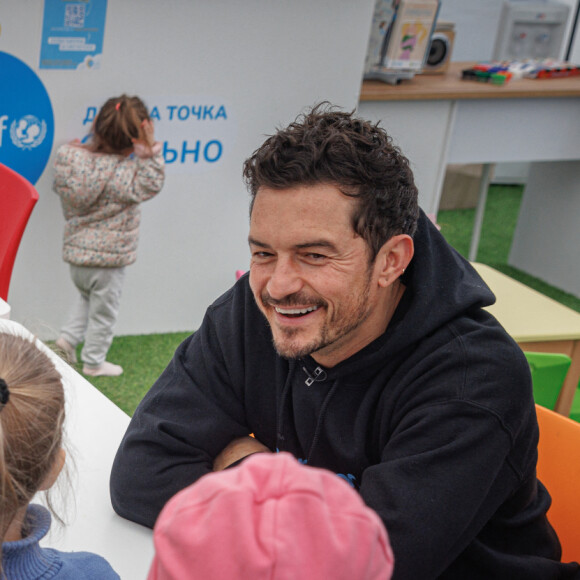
<point x="261" y="255"/>
<point x="316" y="257"/>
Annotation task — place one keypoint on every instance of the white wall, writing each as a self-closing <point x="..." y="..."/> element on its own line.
<point x="267" y="58"/>
<point x="574" y="55"/>
<point x="476" y="26"/>
<point x="477" y="23"/>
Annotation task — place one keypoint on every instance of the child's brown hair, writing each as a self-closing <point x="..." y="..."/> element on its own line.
<point x="118" y="123"/>
<point x="32" y="414"/>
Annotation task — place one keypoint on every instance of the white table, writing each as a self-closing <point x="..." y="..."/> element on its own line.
<point x="93" y="430"/>
<point x="441" y="119"/>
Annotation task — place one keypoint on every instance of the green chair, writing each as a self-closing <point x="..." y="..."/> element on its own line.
<point x="548" y="374"/>
<point x="575" y="410"/>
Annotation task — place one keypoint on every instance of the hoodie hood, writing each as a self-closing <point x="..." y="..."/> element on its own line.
<point x="440" y="284"/>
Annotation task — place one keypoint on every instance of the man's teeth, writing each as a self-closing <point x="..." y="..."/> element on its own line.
<point x="294" y="311"/>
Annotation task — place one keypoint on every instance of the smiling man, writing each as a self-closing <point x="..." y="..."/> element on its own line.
<point x="359" y="343"/>
<point x="319" y="289"/>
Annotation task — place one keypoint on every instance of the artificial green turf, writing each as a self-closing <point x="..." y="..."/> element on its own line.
<point x="500" y="218"/>
<point x="499" y="222"/>
<point x="144" y="357"/>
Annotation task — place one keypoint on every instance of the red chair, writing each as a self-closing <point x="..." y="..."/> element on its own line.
<point x="17" y="198"/>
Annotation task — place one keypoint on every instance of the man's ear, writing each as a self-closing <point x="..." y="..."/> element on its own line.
<point x="55" y="470"/>
<point x="393" y="258"/>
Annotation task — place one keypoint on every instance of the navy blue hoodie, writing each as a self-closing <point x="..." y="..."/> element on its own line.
<point x="433" y="422"/>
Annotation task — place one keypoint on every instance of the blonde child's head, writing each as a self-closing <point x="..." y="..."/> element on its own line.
<point x="31" y="425"/>
<point x="118" y="124"/>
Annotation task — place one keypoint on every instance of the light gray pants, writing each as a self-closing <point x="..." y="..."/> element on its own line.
<point x="92" y="318"/>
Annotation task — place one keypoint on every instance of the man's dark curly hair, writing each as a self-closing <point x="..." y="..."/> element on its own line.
<point x="328" y="146"/>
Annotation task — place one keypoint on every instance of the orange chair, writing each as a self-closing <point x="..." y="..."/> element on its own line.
<point x="17" y="198"/>
<point x="559" y="470"/>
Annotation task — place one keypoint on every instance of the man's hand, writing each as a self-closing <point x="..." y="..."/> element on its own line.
<point x="237" y="449"/>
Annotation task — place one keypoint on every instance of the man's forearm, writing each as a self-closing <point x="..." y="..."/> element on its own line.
<point x="236" y="450"/>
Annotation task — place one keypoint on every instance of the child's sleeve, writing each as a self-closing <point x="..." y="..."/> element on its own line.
<point x="78" y="179"/>
<point x="147" y="179"/>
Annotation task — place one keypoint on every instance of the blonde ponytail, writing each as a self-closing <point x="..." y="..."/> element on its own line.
<point x="31" y="423"/>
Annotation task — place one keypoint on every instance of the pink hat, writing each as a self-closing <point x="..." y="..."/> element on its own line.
<point x="270" y="518"/>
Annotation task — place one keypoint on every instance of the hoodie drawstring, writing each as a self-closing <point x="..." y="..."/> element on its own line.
<point x="283" y="397"/>
<point x="321" y="417"/>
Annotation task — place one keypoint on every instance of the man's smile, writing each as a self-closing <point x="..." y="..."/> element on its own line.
<point x="295" y="312"/>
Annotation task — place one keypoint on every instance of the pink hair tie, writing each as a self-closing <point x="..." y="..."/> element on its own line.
<point x="118" y="106"/>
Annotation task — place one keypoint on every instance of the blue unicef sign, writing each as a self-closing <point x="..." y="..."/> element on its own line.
<point x="26" y="119"/>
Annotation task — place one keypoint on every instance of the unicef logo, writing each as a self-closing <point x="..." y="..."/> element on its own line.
<point x="26" y="119"/>
<point x="28" y="132"/>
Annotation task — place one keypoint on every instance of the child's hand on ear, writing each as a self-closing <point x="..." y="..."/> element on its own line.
<point x="146" y="146"/>
<point x="148" y="132"/>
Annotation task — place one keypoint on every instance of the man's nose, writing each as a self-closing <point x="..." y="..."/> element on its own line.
<point x="285" y="279"/>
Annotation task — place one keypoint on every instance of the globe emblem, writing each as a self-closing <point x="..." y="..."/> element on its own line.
<point x="27" y="132"/>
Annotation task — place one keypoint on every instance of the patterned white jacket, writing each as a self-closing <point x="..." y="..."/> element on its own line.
<point x="100" y="195"/>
